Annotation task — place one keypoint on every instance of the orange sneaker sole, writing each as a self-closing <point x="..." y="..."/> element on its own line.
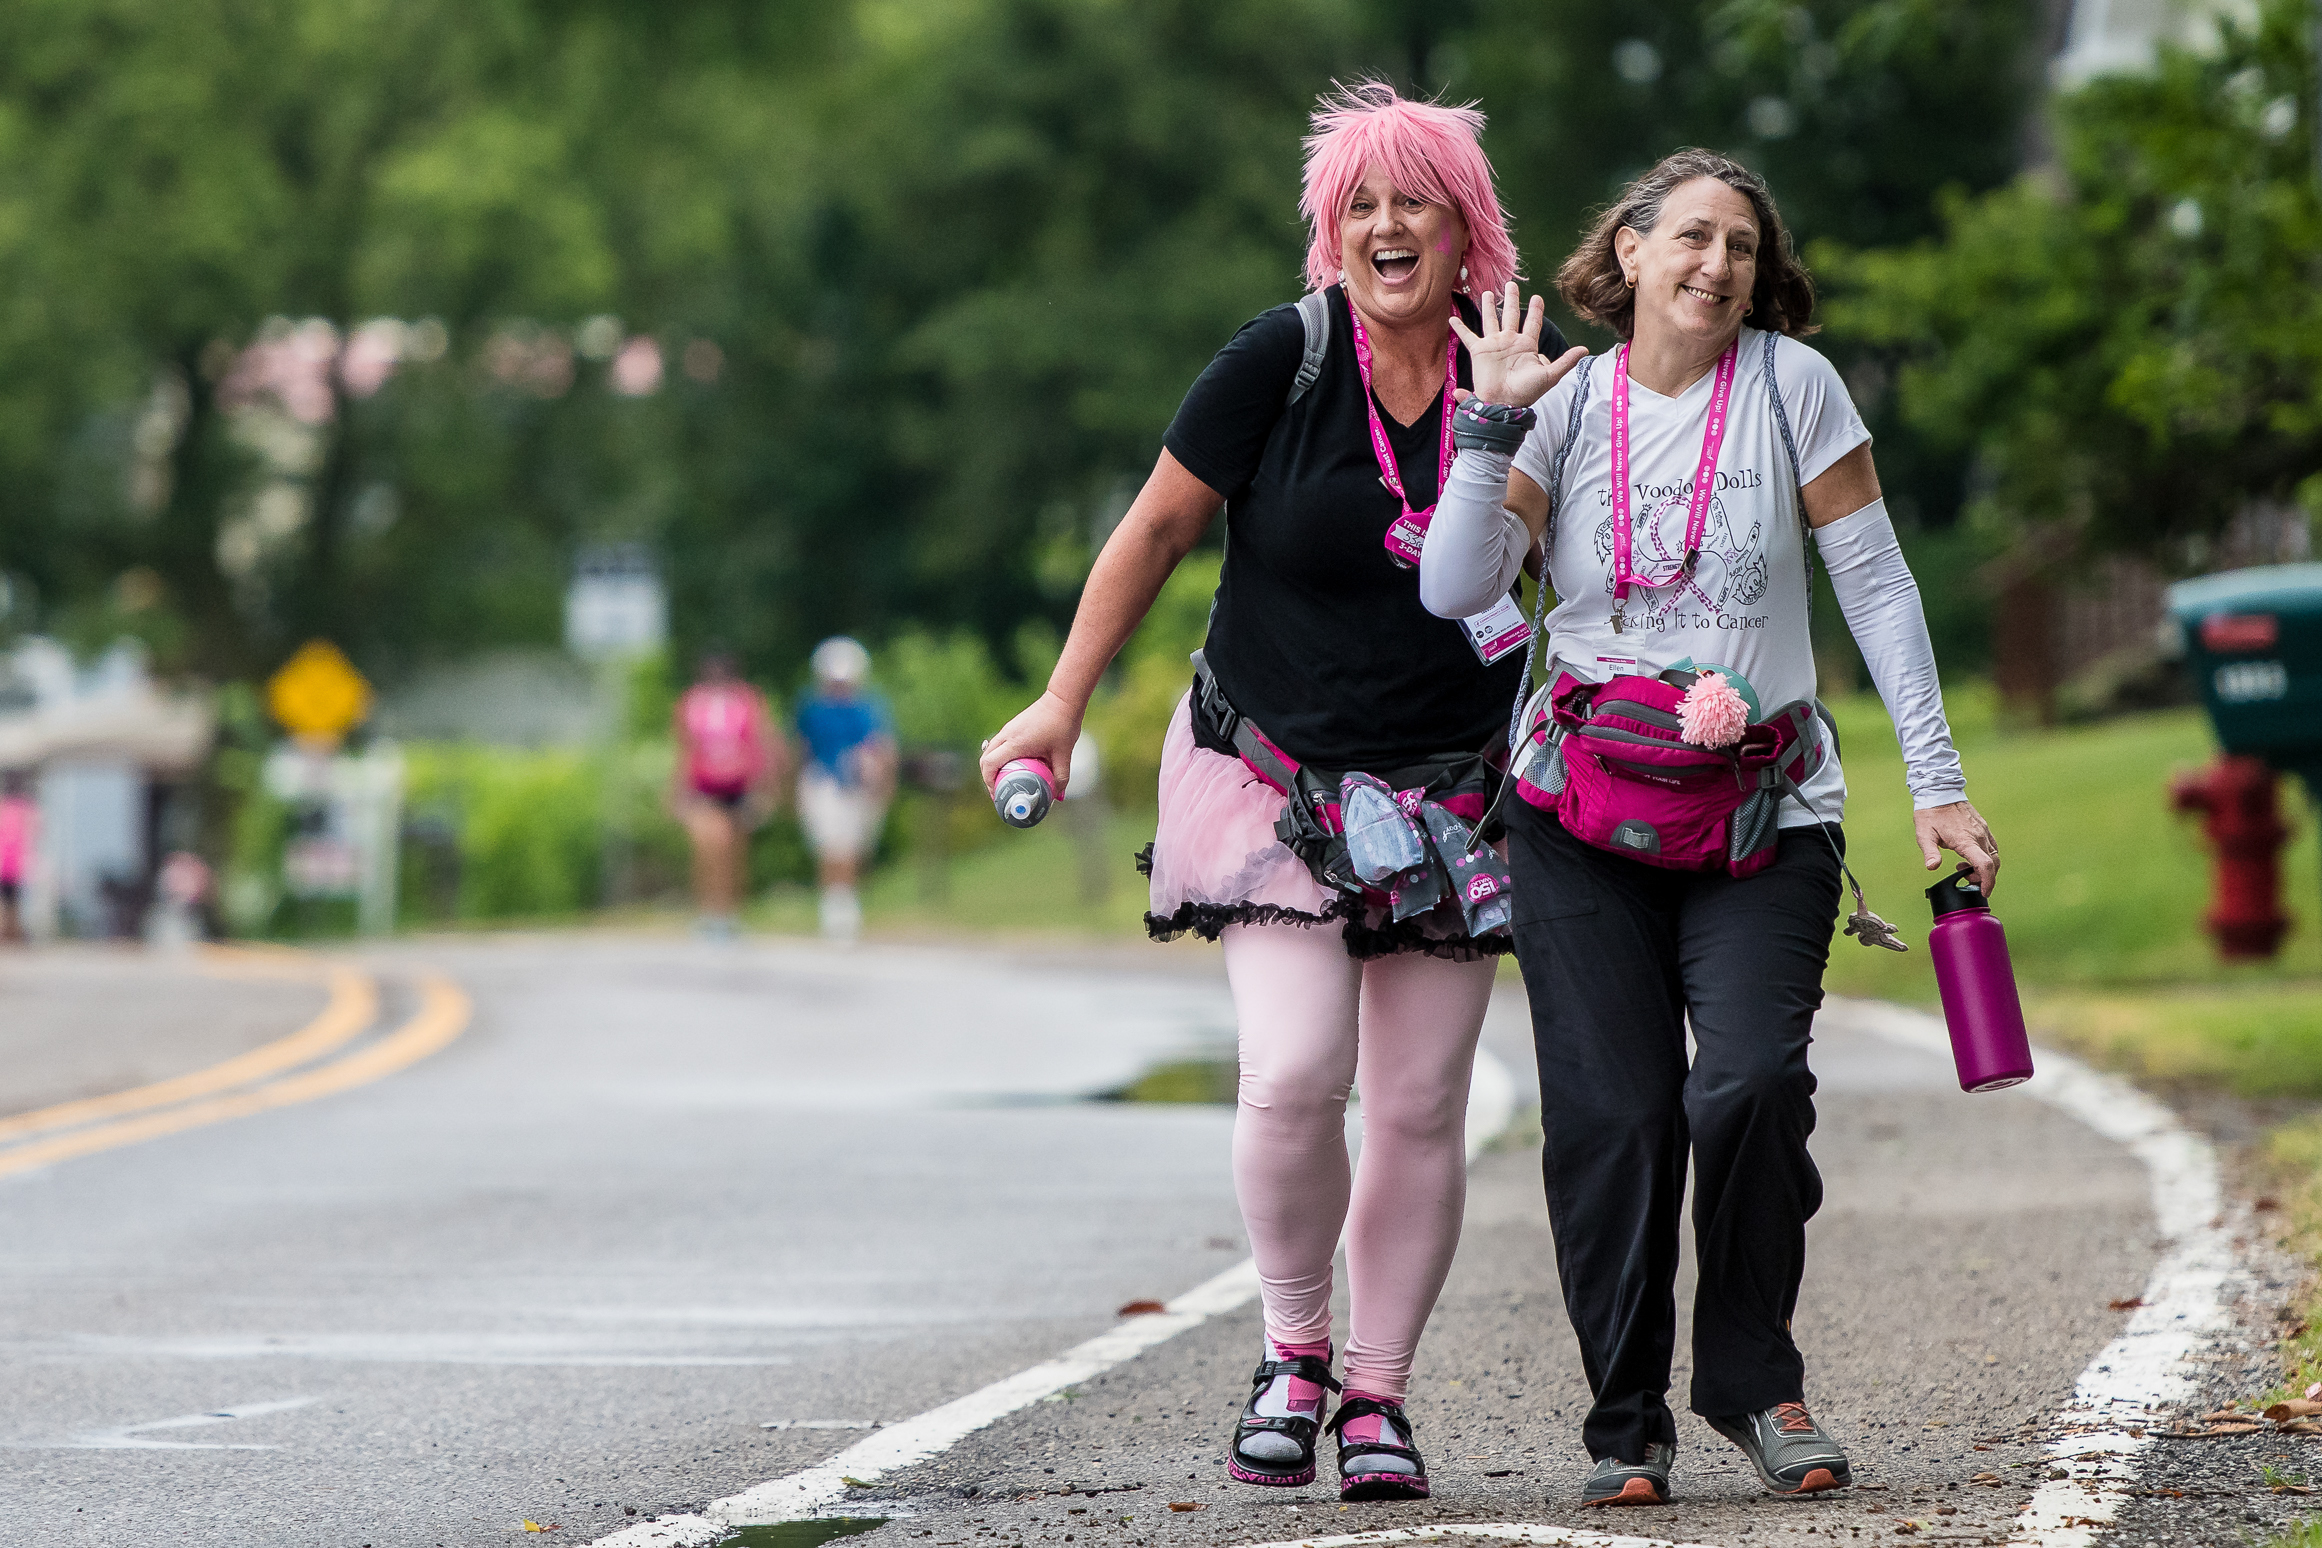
<point x="1817" y="1481"/>
<point x="1640" y="1491"/>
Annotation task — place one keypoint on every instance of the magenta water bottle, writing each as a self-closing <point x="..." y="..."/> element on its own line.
<point x="1979" y="987"/>
<point x="1023" y="792"/>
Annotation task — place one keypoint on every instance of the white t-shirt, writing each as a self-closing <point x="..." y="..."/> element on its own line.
<point x="1745" y="605"/>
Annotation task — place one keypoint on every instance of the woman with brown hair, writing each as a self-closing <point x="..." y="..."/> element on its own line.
<point x="1669" y="485"/>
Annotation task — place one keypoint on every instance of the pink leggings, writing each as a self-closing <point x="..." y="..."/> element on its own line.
<point x="1305" y="1008"/>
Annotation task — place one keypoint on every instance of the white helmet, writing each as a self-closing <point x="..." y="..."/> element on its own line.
<point x="841" y="660"/>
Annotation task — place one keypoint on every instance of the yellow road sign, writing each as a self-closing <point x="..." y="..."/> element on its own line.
<point x="318" y="693"/>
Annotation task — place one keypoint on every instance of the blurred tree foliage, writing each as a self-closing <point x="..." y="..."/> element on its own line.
<point x="922" y="280"/>
<point x="2130" y="341"/>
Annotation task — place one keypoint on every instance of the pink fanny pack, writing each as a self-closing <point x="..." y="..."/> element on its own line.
<point x="1613" y="762"/>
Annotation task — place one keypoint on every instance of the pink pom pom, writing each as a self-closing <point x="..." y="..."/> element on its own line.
<point x="1714" y="712"/>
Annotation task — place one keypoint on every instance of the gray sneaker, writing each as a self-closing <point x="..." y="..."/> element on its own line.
<point x="1788" y="1449"/>
<point x="1614" y="1482"/>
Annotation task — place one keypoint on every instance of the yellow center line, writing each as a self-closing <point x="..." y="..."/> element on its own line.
<point x="443" y="1014"/>
<point x="353" y="1005"/>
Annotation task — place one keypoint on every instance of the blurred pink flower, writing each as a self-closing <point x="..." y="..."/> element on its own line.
<point x="637" y="368"/>
<point x="371" y="355"/>
<point x="292" y="364"/>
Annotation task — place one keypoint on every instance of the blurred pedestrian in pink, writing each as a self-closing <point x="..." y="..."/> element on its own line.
<point x="19" y="830"/>
<point x="729" y="764"/>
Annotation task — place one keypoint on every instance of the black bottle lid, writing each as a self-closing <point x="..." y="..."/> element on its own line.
<point x="1955" y="892"/>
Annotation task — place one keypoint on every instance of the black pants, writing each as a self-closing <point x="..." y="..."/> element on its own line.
<point x="1616" y="955"/>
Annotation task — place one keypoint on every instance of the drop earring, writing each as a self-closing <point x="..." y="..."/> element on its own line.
<point x="1463" y="274"/>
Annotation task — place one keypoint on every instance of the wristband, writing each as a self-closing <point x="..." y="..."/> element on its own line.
<point x="1490" y="427"/>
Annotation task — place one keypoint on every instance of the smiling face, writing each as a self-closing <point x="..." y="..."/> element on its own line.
<point x="1401" y="254"/>
<point x="1696" y="269"/>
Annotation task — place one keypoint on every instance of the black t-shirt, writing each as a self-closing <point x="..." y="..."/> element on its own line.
<point x="1317" y="634"/>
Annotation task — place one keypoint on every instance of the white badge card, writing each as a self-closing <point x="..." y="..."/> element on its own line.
<point x="1499" y="633"/>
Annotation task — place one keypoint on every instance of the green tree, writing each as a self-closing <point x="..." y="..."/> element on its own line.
<point x="2129" y="342"/>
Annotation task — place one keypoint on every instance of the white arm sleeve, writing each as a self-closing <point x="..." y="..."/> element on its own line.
<point x="1882" y="607"/>
<point x="1475" y="545"/>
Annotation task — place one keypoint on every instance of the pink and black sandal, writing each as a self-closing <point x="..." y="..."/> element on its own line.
<point x="1293" y="1471"/>
<point x="1367" y="1460"/>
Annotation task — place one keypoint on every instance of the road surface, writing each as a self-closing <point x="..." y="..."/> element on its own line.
<point x="657" y="1196"/>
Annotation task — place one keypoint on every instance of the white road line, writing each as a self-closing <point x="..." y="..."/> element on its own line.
<point x="796" y="1496"/>
<point x="130" y="1437"/>
<point x="2147" y="1371"/>
<point x="820" y="1424"/>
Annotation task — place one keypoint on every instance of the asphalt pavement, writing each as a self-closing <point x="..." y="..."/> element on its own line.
<point x="661" y="1195"/>
<point x="82" y="1021"/>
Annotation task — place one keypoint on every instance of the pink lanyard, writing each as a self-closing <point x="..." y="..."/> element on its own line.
<point x="1409" y="530"/>
<point x="1704" y="477"/>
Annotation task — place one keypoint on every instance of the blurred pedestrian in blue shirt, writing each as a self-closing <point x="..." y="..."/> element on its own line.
<point x="848" y="779"/>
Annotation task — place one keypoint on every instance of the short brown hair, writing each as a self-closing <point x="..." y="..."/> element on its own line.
<point x="1590" y="280"/>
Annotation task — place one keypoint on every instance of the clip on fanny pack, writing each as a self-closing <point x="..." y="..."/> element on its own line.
<point x="1415" y="831"/>
<point x="1612" y="762"/>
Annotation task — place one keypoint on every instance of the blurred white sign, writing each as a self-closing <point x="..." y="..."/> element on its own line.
<point x="615" y="606"/>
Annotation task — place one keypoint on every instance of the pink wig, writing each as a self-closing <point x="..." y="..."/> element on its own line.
<point x="1430" y="152"/>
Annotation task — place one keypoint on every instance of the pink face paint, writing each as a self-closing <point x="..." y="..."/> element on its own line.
<point x="1443" y="243"/>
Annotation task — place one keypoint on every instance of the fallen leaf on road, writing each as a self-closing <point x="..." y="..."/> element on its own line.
<point x="2265" y="1201"/>
<point x="1182" y="1506"/>
<point x="852" y="1482"/>
<point x="1987" y="1478"/>
<point x="534" y="1526"/>
<point x="2298" y="1427"/>
<point x="1142" y="1309"/>
<point x="2295" y="1408"/>
<point x="2293" y="1488"/>
<point x="2128" y="1303"/>
<point x="2223" y="1414"/>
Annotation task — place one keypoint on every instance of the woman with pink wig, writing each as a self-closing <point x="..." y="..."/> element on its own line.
<point x="1320" y="782"/>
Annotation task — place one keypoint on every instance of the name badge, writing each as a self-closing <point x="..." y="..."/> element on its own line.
<point x="1498" y="633"/>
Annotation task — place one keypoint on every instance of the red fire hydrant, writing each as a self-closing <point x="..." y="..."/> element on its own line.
<point x="2245" y="827"/>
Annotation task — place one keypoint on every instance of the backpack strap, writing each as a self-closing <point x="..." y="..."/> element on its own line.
<point x="1314" y="316"/>
<point x="1790" y="445"/>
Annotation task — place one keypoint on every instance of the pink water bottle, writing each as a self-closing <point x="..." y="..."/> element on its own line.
<point x="1023" y="791"/>
<point x="1979" y="987"/>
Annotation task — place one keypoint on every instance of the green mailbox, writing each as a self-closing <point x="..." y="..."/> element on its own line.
<point x="2253" y="643"/>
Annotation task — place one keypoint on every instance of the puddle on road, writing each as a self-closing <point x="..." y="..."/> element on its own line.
<point x="803" y="1534"/>
<point x="1182" y="1080"/>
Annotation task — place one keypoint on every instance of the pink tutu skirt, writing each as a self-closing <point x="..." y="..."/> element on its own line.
<point x="1214" y="861"/>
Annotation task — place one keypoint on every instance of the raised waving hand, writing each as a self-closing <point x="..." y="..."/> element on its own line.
<point x="1509" y="367"/>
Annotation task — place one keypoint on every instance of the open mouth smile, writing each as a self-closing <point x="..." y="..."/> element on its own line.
<point x="1706" y="297"/>
<point x="1395" y="264"/>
